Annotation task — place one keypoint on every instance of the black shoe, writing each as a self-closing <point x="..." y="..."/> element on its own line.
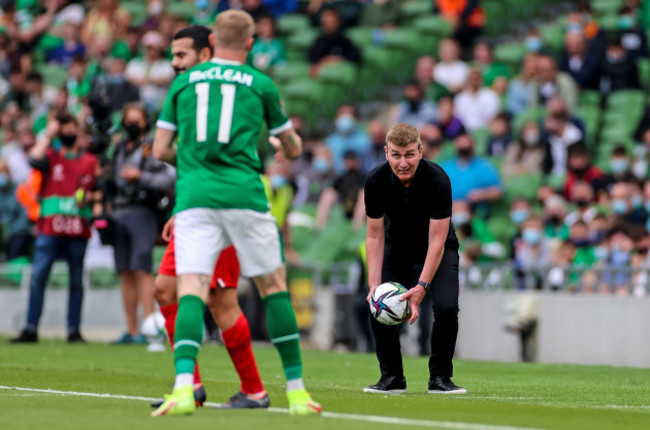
<point x="242" y="401"/>
<point x="200" y="396"/>
<point x="388" y="385"/>
<point x="443" y="385"/>
<point x="25" y="336"/>
<point x="75" y="337"/>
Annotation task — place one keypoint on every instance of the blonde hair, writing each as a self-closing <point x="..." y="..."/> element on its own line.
<point x="232" y="29"/>
<point x="403" y="134"/>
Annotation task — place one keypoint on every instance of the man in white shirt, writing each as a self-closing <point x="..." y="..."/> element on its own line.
<point x="450" y="71"/>
<point x="476" y="106"/>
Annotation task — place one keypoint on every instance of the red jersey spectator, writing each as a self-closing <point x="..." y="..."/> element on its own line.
<point x="580" y="169"/>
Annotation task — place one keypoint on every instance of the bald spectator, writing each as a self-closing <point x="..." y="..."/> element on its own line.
<point x="521" y="87"/>
<point x="581" y="64"/>
<point x="474" y="178"/>
<point x="415" y="110"/>
<point x="152" y="74"/>
<point x="424" y="76"/>
<point x="450" y="71"/>
<point x="550" y="82"/>
<point x="582" y="195"/>
<point x="375" y="155"/>
<point x="476" y="106"/>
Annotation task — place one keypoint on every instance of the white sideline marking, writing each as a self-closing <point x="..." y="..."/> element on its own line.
<point x="335" y="415"/>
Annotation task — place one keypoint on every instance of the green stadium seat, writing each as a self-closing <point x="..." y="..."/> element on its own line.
<point x="589" y="97"/>
<point x="301" y="40"/>
<point x="606" y="7"/>
<point x="510" y="53"/>
<point x="625" y="99"/>
<point x="433" y="25"/>
<point x="304" y="97"/>
<point x="502" y="229"/>
<point x="496" y="17"/>
<point x="411" y="10"/>
<point x="608" y="22"/>
<point x="552" y="35"/>
<point x="137" y="10"/>
<point x="522" y="186"/>
<point x="292" y="23"/>
<point x="182" y="9"/>
<point x="531" y="114"/>
<point x="291" y="71"/>
<point x="361" y="36"/>
<point x="644" y="72"/>
<point x="481" y="137"/>
<point x="404" y="45"/>
<point x="54" y="75"/>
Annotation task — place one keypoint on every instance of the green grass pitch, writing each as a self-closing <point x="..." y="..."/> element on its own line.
<point x="500" y="396"/>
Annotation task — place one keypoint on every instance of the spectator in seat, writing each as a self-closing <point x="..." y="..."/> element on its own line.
<point x="474" y="178"/>
<point x="331" y="46"/>
<point x="433" y="90"/>
<point x="346" y="189"/>
<point x="520" y="89"/>
<point x="484" y="62"/>
<point x="560" y="133"/>
<point x="476" y="106"/>
<point x="633" y="36"/>
<point x="255" y="8"/>
<point x="415" y="110"/>
<point x="553" y="214"/>
<point x="106" y="19"/>
<point x="319" y="176"/>
<point x="347" y="137"/>
<point x="449" y="124"/>
<point x="432" y="141"/>
<point x="268" y="51"/>
<point x="622" y="208"/>
<point x="375" y="155"/>
<point x="549" y="82"/>
<point x="71" y="47"/>
<point x="532" y="254"/>
<point x="618" y="68"/>
<point x="13" y="218"/>
<point x="63" y="227"/>
<point x="583" y="197"/>
<point x="500" y="135"/>
<point x="467" y="17"/>
<point x="450" y="71"/>
<point x="525" y="154"/>
<point x="619" y="168"/>
<point x="581" y="64"/>
<point x="153" y="73"/>
<point x="580" y="169"/>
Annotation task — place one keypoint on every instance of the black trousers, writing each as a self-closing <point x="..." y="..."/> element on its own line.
<point x="444" y="292"/>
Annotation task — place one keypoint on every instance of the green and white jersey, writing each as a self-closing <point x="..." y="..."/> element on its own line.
<point x="219" y="109"/>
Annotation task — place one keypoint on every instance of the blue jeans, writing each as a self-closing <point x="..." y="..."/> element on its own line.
<point x="47" y="250"/>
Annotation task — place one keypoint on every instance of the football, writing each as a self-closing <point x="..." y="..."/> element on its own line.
<point x="385" y="305"/>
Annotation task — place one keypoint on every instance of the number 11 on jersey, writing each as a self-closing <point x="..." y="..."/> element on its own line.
<point x="227" y="107"/>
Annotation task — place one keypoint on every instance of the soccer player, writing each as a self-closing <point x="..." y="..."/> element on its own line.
<point x="190" y="47"/>
<point x="411" y="240"/>
<point x="218" y="109"/>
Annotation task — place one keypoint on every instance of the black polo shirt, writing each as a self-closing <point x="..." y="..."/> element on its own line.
<point x="407" y="211"/>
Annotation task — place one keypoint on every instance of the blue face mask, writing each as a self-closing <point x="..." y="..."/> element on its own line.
<point x="619" y="206"/>
<point x="574" y="27"/>
<point x="345" y="124"/>
<point x="519" y="215"/>
<point x="201" y="4"/>
<point x="647" y="207"/>
<point x="647" y="225"/>
<point x="531" y="236"/>
<point x="601" y="253"/>
<point x="597" y="236"/>
<point x="4" y="180"/>
<point x="460" y="218"/>
<point x="618" y="166"/>
<point x="533" y="44"/>
<point x="278" y="181"/>
<point x="637" y="202"/>
<point x="625" y="22"/>
<point x="321" y="165"/>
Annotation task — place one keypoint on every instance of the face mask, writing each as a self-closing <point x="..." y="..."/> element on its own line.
<point x="618" y="165"/>
<point x="518" y="216"/>
<point x="555" y="220"/>
<point x="321" y="165"/>
<point x="465" y="153"/>
<point x="619" y="256"/>
<point x="133" y="129"/>
<point x="619" y="206"/>
<point x="614" y="58"/>
<point x="582" y="203"/>
<point x="533" y="44"/>
<point x="201" y="4"/>
<point x="581" y="243"/>
<point x="345" y="124"/>
<point x="460" y="218"/>
<point x="601" y="253"/>
<point x="574" y="27"/>
<point x="114" y="79"/>
<point x="414" y="105"/>
<point x="625" y="22"/>
<point x="637" y="202"/>
<point x="4" y="180"/>
<point x="647" y="206"/>
<point x="531" y="139"/>
<point x="531" y="236"/>
<point x="68" y="140"/>
<point x="597" y="236"/>
<point x="278" y="181"/>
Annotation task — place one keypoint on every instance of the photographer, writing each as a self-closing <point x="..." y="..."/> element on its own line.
<point x="63" y="228"/>
<point x="139" y="183"/>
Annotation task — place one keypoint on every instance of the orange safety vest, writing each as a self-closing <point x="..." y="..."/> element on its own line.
<point x="453" y="8"/>
<point x="27" y="194"/>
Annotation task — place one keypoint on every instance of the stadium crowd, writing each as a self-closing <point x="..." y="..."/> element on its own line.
<point x="546" y="137"/>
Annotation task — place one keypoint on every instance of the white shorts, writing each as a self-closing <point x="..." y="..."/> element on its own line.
<point x="201" y="234"/>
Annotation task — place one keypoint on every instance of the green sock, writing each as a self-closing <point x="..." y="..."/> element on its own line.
<point x="283" y="330"/>
<point x="189" y="333"/>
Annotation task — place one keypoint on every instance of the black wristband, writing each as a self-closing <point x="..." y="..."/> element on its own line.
<point x="426" y="285"/>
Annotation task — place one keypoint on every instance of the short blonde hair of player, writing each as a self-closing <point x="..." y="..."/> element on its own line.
<point x="403" y="134"/>
<point x="232" y="29"/>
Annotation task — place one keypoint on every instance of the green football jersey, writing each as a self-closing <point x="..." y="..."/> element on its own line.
<point x="219" y="109"/>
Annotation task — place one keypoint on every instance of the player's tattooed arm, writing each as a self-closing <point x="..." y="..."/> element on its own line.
<point x="291" y="144"/>
<point x="163" y="147"/>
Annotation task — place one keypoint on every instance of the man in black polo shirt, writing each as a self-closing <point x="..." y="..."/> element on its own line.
<point x="411" y="240"/>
